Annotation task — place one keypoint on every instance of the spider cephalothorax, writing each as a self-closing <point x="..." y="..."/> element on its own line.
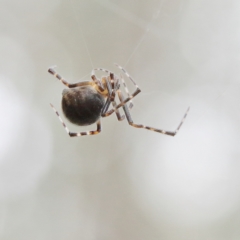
<point x="85" y="102"/>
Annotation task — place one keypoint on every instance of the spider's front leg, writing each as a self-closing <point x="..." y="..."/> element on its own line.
<point x="124" y="84"/>
<point x="70" y="85"/>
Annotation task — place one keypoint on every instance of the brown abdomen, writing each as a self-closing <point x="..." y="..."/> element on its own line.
<point x="82" y="105"/>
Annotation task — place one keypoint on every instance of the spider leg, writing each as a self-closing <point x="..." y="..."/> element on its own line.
<point x="127" y="91"/>
<point x="127" y="74"/>
<point x="106" y="106"/>
<point x="102" y="69"/>
<point x="123" y="82"/>
<point x="111" y="99"/>
<point x="73" y="134"/>
<point x="97" y="81"/>
<point x="130" y="121"/>
<point x="108" y="113"/>
<point x="70" y="85"/>
<point x="109" y="72"/>
<point x="125" y="100"/>
<point x="130" y="97"/>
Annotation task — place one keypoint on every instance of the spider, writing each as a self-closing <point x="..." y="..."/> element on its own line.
<point x="84" y="103"/>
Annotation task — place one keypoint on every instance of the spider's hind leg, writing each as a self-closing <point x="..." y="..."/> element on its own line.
<point x="130" y="121"/>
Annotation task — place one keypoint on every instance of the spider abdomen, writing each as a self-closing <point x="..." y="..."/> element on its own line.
<point x="82" y="105"/>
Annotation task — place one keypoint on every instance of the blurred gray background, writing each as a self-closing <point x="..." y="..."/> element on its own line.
<point x="125" y="183"/>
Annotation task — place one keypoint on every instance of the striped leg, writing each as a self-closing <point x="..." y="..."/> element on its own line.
<point x="127" y="91"/>
<point x="70" y="85"/>
<point x="130" y="97"/>
<point x="113" y="81"/>
<point x="102" y="69"/>
<point x="124" y="84"/>
<point x="127" y="74"/>
<point x="112" y="100"/>
<point x="107" y="71"/>
<point x="72" y="134"/>
<point x="130" y="121"/>
<point x="123" y="102"/>
<point x="97" y="81"/>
